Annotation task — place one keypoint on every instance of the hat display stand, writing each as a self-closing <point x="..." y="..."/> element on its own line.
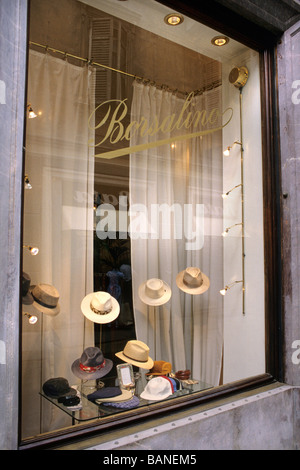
<point x="154" y="293"/>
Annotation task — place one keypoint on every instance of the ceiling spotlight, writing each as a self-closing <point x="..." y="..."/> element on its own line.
<point x="31" y="318"/>
<point x="33" y="249"/>
<point x="173" y="19"/>
<point x="226" y="288"/>
<point x="225" y="233"/>
<point x="220" y="41"/>
<point x="31" y="113"/>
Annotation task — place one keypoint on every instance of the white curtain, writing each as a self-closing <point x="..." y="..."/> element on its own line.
<point x="180" y="175"/>
<point x="59" y="220"/>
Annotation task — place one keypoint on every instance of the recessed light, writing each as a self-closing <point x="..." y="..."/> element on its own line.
<point x="173" y="19"/>
<point x="220" y="41"/>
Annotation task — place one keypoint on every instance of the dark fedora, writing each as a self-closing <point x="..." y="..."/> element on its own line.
<point x="27" y="298"/>
<point x="58" y="387"/>
<point x="91" y="364"/>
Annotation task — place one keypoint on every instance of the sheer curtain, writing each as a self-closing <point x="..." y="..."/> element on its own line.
<point x="59" y="220"/>
<point x="182" y="178"/>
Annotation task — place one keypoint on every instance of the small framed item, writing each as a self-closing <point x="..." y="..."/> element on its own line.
<point x="125" y="376"/>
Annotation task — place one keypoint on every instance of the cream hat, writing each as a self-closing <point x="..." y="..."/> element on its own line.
<point x="100" y="307"/>
<point x="136" y="353"/>
<point x="192" y="281"/>
<point x="155" y="292"/>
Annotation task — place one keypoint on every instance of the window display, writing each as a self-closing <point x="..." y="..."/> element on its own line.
<point x="145" y="207"/>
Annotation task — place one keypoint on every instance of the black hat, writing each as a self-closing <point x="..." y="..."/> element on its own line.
<point x="27" y="298"/>
<point x="58" y="387"/>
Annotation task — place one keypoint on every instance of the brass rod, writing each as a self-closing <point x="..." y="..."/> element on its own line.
<point x="242" y="196"/>
<point x="136" y="77"/>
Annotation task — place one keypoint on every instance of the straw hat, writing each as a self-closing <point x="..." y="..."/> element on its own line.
<point x="192" y="281"/>
<point x="136" y="353"/>
<point x="155" y="292"/>
<point x="45" y="298"/>
<point x="100" y="307"/>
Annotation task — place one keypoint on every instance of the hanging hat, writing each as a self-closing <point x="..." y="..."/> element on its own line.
<point x="100" y="307"/>
<point x="160" y="368"/>
<point x="109" y="394"/>
<point x="91" y="365"/>
<point x="136" y="353"/>
<point x="192" y="281"/>
<point x="27" y="298"/>
<point x="58" y="387"/>
<point x="158" y="388"/>
<point x="155" y="292"/>
<point x="45" y="298"/>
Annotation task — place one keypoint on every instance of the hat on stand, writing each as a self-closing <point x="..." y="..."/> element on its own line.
<point x="155" y="292"/>
<point x="91" y="365"/>
<point x="136" y="353"/>
<point x="45" y="298"/>
<point x="100" y="307"/>
<point x="27" y="298"/>
<point x="192" y="281"/>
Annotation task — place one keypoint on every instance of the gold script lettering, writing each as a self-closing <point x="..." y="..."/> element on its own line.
<point x="117" y="132"/>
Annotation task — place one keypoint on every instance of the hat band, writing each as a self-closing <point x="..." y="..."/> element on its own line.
<point x="133" y="358"/>
<point x="43" y="304"/>
<point x="193" y="283"/>
<point x="100" y="312"/>
<point x="90" y="369"/>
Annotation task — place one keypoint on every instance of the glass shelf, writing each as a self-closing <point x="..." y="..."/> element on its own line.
<point x="90" y="410"/>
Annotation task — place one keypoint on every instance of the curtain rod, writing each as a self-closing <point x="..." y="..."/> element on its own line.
<point x="146" y="81"/>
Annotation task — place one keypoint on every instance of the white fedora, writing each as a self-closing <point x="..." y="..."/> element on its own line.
<point x="100" y="307"/>
<point x="192" y="281"/>
<point x="136" y="353"/>
<point x="155" y="292"/>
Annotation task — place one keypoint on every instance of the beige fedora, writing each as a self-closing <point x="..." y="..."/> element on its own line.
<point x="45" y="298"/>
<point x="192" y="281"/>
<point x="136" y="353"/>
<point x="100" y="307"/>
<point x="155" y="292"/>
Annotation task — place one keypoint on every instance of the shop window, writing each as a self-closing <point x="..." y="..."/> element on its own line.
<point x="144" y="197"/>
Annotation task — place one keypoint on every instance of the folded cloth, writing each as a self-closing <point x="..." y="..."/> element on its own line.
<point x="128" y="404"/>
<point x="105" y="392"/>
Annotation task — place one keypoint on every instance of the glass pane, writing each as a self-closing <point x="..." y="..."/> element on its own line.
<point x="143" y="195"/>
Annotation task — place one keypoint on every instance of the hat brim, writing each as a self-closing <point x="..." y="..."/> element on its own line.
<point x="125" y="395"/>
<point x="148" y="396"/>
<point x="93" y="375"/>
<point x="143" y="365"/>
<point x="192" y="290"/>
<point x="94" y="317"/>
<point x="27" y="299"/>
<point x="155" y="302"/>
<point x="47" y="311"/>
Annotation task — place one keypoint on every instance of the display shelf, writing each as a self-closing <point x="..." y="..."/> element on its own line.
<point x="90" y="410"/>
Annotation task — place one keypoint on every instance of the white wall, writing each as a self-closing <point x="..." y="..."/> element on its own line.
<point x="244" y="335"/>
